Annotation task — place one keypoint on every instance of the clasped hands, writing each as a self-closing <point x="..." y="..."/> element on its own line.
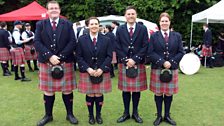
<point x="95" y="73"/>
<point x="54" y="60"/>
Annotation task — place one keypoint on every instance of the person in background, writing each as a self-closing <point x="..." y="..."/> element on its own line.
<point x="94" y="55"/>
<point x="131" y="47"/>
<point x="55" y="43"/>
<point x="29" y="50"/>
<point x="165" y="52"/>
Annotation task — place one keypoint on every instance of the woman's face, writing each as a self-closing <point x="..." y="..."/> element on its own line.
<point x="164" y="23"/>
<point x="93" y="26"/>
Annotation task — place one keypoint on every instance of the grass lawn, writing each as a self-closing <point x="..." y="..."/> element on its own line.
<point x="200" y="102"/>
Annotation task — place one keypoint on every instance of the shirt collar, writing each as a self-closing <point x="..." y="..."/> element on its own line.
<point x="128" y="26"/>
<point x="57" y="20"/>
<point x="168" y="32"/>
<point x="93" y="36"/>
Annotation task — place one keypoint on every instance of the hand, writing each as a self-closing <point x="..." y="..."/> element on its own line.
<point x="98" y="72"/>
<point x="91" y="71"/>
<point x="54" y="60"/>
<point x="167" y="64"/>
<point x="11" y="49"/>
<point x="32" y="37"/>
<point x="130" y="62"/>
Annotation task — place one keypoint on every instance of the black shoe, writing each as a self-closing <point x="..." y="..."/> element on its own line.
<point x="17" y="78"/>
<point x="157" y="121"/>
<point x="99" y="120"/>
<point x="112" y="76"/>
<point x="91" y="120"/>
<point x="123" y="118"/>
<point x="169" y="120"/>
<point x="45" y="120"/>
<point x="25" y="79"/>
<point x="137" y="118"/>
<point x="31" y="70"/>
<point x="36" y="68"/>
<point x="6" y="74"/>
<point x="72" y="119"/>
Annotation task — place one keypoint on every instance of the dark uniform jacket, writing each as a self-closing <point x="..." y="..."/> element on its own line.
<point x="98" y="56"/>
<point x="159" y="53"/>
<point x="134" y="48"/>
<point x="4" y="41"/>
<point x="207" y="38"/>
<point x="60" y="42"/>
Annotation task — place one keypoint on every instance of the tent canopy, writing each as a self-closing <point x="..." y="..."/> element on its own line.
<point x="33" y="11"/>
<point x="213" y="14"/>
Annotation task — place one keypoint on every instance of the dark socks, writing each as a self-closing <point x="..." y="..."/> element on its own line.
<point x="29" y="65"/>
<point x="48" y="103"/>
<point x="159" y="102"/>
<point x="90" y="104"/>
<point x="4" y="66"/>
<point x="22" y="70"/>
<point x="167" y="103"/>
<point x="35" y="65"/>
<point x="126" y="100"/>
<point x="68" y="101"/>
<point x="99" y="104"/>
<point x="135" y="101"/>
<point x="16" y="71"/>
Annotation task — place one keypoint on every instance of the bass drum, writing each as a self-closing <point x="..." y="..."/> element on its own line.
<point x="190" y="64"/>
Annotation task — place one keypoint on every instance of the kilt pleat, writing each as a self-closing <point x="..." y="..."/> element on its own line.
<point x="47" y="83"/>
<point x="206" y="51"/>
<point x="28" y="55"/>
<point x="157" y="86"/>
<point x="18" y="57"/>
<point x="85" y="86"/>
<point x="132" y="84"/>
<point x="4" y="54"/>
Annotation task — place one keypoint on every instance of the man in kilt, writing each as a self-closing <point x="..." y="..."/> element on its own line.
<point x="131" y="47"/>
<point x="94" y="55"/>
<point x="4" y="49"/>
<point x="17" y="52"/>
<point x="207" y="45"/>
<point x="165" y="52"/>
<point x="29" y="50"/>
<point x="55" y="43"/>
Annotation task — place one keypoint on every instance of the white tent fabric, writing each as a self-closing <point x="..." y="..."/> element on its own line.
<point x="213" y="14"/>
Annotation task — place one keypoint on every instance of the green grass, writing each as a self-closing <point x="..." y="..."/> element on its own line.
<point x="200" y="102"/>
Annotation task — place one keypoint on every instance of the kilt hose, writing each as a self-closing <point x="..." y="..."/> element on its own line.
<point x="157" y="86"/>
<point x="4" y="54"/>
<point x="85" y="86"/>
<point x="18" y="57"/>
<point x="47" y="83"/>
<point x="114" y="58"/>
<point x="132" y="84"/>
<point x="206" y="51"/>
<point x="28" y="55"/>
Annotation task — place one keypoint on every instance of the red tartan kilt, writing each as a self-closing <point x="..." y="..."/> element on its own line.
<point x="157" y="86"/>
<point x="132" y="84"/>
<point x="114" y="58"/>
<point x="85" y="86"/>
<point x="4" y="54"/>
<point x="206" y="51"/>
<point x="28" y="55"/>
<point x="47" y="83"/>
<point x="18" y="57"/>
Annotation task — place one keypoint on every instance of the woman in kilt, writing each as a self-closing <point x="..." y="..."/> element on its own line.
<point x="4" y="49"/>
<point x="94" y="55"/>
<point x="165" y="51"/>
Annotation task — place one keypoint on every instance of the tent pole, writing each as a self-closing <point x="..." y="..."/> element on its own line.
<point x="191" y="34"/>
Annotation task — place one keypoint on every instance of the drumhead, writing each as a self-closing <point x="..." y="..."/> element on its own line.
<point x="190" y="64"/>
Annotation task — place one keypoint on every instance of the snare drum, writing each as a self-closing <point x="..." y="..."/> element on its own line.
<point x="190" y="64"/>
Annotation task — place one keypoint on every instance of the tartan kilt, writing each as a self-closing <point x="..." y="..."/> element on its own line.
<point x="206" y="51"/>
<point x="114" y="58"/>
<point x="18" y="57"/>
<point x="4" y="54"/>
<point x="132" y="84"/>
<point x="28" y="55"/>
<point x="47" y="83"/>
<point x="85" y="85"/>
<point x="157" y="86"/>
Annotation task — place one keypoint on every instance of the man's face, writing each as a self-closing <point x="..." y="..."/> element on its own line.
<point x="53" y="10"/>
<point x="131" y="16"/>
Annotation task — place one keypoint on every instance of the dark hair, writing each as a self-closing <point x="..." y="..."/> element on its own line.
<point x="141" y="23"/>
<point x="109" y="28"/>
<point x="93" y="18"/>
<point x="129" y="8"/>
<point x="52" y="2"/>
<point x="164" y="14"/>
<point x="3" y="24"/>
<point x="116" y="23"/>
